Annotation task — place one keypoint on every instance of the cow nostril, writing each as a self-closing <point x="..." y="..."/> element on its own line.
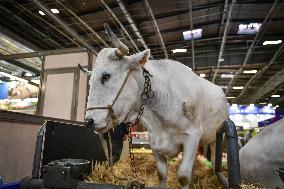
<point x="89" y="123"/>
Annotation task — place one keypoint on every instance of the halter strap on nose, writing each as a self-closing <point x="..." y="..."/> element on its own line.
<point x="110" y="107"/>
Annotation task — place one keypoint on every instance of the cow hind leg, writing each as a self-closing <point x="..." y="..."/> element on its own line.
<point x="189" y="155"/>
<point x="162" y="169"/>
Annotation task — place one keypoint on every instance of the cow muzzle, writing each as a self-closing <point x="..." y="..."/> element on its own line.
<point x="89" y="123"/>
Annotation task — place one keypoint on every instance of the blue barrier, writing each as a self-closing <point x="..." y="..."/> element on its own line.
<point x="11" y="185"/>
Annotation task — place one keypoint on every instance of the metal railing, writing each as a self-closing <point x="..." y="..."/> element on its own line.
<point x="233" y="162"/>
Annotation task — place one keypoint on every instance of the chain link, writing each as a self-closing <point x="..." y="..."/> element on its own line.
<point x="144" y="97"/>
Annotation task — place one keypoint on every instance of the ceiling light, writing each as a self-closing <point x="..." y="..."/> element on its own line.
<point x="179" y="50"/>
<point x="41" y="13"/>
<point x="230" y="97"/>
<point x="251" y="28"/>
<point x="250" y="71"/>
<point x="269" y="105"/>
<point x="28" y="74"/>
<point x="276" y="106"/>
<point x="196" y="34"/>
<point x="202" y="75"/>
<point x="55" y="11"/>
<point x="221" y="60"/>
<point x="238" y="88"/>
<point x="272" y="42"/>
<point x="275" y="96"/>
<point x="251" y="105"/>
<point x="234" y="105"/>
<point x="227" y="75"/>
<point x="262" y="103"/>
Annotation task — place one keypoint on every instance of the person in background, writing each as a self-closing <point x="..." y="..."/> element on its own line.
<point x="118" y="135"/>
<point x="248" y="135"/>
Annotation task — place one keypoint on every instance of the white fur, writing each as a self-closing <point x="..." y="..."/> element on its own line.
<point x="186" y="110"/>
<point x="262" y="155"/>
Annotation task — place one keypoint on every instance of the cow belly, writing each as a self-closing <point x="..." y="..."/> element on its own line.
<point x="164" y="145"/>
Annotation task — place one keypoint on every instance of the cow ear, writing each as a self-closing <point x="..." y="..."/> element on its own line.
<point x="139" y="59"/>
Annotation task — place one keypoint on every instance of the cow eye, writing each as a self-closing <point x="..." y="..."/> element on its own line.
<point x="105" y="77"/>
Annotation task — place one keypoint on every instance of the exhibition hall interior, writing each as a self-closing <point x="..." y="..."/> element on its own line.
<point x="113" y="93"/>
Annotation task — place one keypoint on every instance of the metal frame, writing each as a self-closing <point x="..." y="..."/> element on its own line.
<point x="132" y="24"/>
<point x="234" y="175"/>
<point x="252" y="46"/>
<point x="156" y="27"/>
<point x="120" y="24"/>
<point x="258" y="74"/>
<point x="61" y="23"/>
<point x="192" y="40"/>
<point x="57" y="71"/>
<point x="224" y="38"/>
<point x="42" y="53"/>
<point x="41" y="87"/>
<point x="83" y="22"/>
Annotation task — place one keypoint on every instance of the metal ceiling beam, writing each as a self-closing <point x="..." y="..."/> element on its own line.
<point x="278" y="100"/>
<point x="260" y="72"/>
<point x="156" y="27"/>
<point x="18" y="38"/>
<point x="28" y="25"/>
<point x="83" y="22"/>
<point x="63" y="25"/>
<point x="205" y="6"/>
<point x="120" y="24"/>
<point x="23" y="66"/>
<point x="251" y="49"/>
<point x="132" y="24"/>
<point x="41" y="53"/>
<point x="224" y="39"/>
<point x="223" y="17"/>
<point x="197" y="25"/>
<point x="24" y="9"/>
<point x="192" y="40"/>
<point x="268" y="86"/>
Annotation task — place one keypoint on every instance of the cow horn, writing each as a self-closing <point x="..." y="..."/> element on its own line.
<point x="87" y="72"/>
<point x="121" y="48"/>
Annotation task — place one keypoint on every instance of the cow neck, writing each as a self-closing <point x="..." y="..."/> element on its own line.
<point x="138" y="76"/>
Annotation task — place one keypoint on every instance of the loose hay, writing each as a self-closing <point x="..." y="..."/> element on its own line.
<point x="203" y="178"/>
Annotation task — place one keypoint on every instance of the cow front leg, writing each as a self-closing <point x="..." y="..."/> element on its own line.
<point x="162" y="169"/>
<point x="189" y="156"/>
<point x="213" y="154"/>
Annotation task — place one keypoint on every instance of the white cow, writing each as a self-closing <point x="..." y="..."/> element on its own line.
<point x="262" y="155"/>
<point x="185" y="111"/>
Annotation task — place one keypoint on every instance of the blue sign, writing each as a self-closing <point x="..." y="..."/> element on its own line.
<point x="4" y="90"/>
<point x="235" y="109"/>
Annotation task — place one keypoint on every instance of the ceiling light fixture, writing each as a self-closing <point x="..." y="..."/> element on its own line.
<point x="250" y="71"/>
<point x="196" y="34"/>
<point x="238" y="87"/>
<point x="55" y="11"/>
<point x="230" y="97"/>
<point x="269" y="105"/>
<point x="41" y="13"/>
<point x="272" y="42"/>
<point x="275" y="96"/>
<point x="227" y="76"/>
<point x="262" y="103"/>
<point x="202" y="75"/>
<point x="179" y="50"/>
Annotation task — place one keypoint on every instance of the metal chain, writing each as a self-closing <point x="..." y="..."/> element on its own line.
<point x="144" y="97"/>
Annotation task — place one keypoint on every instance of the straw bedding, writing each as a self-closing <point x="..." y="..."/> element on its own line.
<point x="203" y="178"/>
